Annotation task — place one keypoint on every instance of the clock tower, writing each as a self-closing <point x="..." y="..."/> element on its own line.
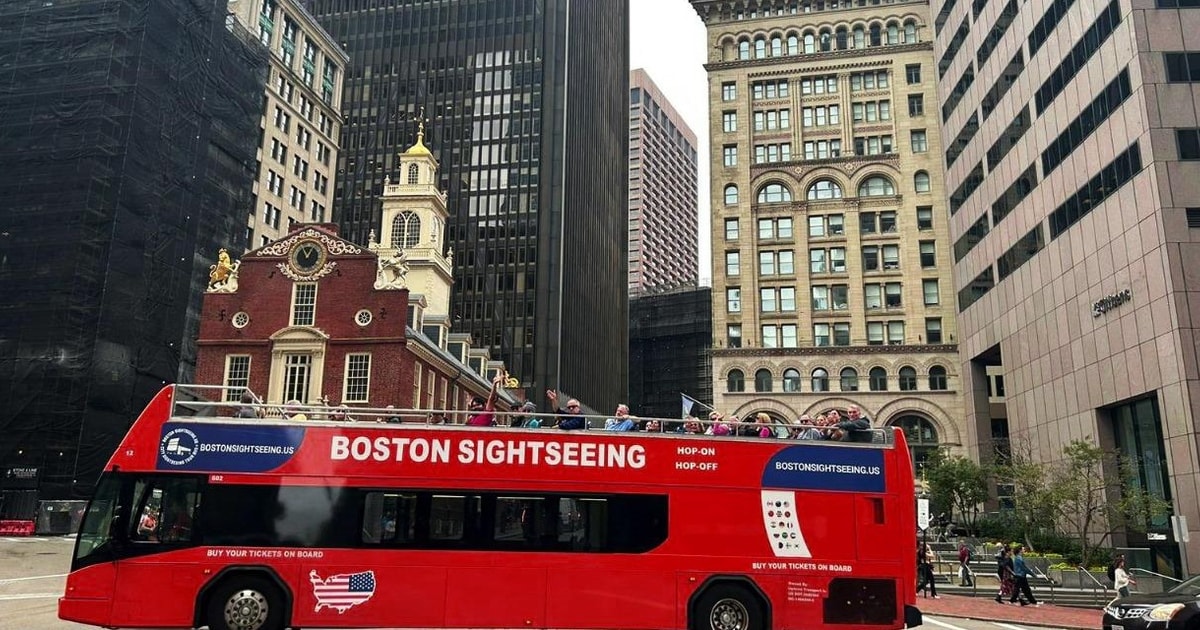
<point x="413" y="230"/>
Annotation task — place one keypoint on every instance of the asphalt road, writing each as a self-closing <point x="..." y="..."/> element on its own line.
<point x="32" y="577"/>
<point x="33" y="574"/>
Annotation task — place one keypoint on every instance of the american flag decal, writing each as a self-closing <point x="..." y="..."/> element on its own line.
<point x="343" y="591"/>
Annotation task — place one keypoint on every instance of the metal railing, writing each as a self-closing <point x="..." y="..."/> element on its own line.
<point x="1099" y="589"/>
<point x="1149" y="572"/>
<point x="216" y="402"/>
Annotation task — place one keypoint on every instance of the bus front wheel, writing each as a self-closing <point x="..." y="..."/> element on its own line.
<point x="728" y="607"/>
<point x="245" y="603"/>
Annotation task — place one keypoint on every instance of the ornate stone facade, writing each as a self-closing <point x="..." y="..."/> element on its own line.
<point x="831" y="249"/>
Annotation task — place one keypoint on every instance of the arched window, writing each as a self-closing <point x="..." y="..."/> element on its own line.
<point x="414" y="173"/>
<point x="776" y="46"/>
<point x="876" y="38"/>
<point x="743" y="49"/>
<point x="791" y="380"/>
<point x="878" y="378"/>
<point x="810" y="44"/>
<point x="826" y="41"/>
<point x="922" y="439"/>
<point x="760" y="48"/>
<point x="937" y="378"/>
<point x="910" y="32"/>
<point x="908" y="379"/>
<point x="820" y="380"/>
<point x="860" y="37"/>
<point x="893" y="33"/>
<point x="876" y="186"/>
<point x="762" y="380"/>
<point x="774" y="193"/>
<point x="793" y="45"/>
<point x="735" y="382"/>
<point x="406" y="230"/>
<point x="841" y="38"/>
<point x="921" y="181"/>
<point x="731" y="194"/>
<point x="824" y="189"/>
<point x="849" y="379"/>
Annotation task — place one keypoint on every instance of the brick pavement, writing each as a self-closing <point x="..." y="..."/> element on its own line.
<point x="988" y="610"/>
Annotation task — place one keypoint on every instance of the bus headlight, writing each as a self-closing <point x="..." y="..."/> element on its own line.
<point x="1163" y="612"/>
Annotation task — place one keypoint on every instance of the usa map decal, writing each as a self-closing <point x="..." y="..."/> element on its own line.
<point x="343" y="591"/>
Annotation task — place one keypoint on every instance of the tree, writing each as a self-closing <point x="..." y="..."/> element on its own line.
<point x="1029" y="484"/>
<point x="1095" y="492"/>
<point x="957" y="482"/>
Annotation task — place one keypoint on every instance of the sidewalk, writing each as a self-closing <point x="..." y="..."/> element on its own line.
<point x="988" y="610"/>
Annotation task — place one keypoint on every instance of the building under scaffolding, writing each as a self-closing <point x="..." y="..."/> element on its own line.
<point x="127" y="143"/>
<point x="670" y="336"/>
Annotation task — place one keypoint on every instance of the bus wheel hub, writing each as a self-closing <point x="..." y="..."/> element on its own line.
<point x="246" y="610"/>
<point x="729" y="614"/>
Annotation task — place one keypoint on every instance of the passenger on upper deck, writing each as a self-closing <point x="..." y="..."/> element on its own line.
<point x="481" y="410"/>
<point x="248" y="410"/>
<point x="572" y="419"/>
<point x="293" y="411"/>
<point x="621" y="420"/>
<point x="528" y="421"/>
<point x="857" y="427"/>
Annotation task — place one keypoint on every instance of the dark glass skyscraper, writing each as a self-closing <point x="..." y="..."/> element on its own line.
<point x="527" y="102"/>
<point x="127" y="146"/>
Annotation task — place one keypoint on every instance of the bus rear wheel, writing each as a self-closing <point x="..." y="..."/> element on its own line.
<point x="245" y="603"/>
<point x="728" y="607"/>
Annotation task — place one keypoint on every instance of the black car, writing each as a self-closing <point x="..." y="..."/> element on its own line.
<point x="1176" y="609"/>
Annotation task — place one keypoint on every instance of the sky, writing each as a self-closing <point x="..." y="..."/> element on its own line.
<point x="668" y="41"/>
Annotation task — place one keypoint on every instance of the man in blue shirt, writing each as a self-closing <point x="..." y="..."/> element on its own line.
<point x="572" y="419"/>
<point x="1021" y="575"/>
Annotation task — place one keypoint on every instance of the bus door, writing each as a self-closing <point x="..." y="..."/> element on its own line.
<point x="156" y="578"/>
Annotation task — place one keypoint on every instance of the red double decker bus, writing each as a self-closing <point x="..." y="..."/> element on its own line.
<point x="201" y="519"/>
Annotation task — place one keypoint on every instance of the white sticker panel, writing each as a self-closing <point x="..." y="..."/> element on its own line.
<point x="782" y="524"/>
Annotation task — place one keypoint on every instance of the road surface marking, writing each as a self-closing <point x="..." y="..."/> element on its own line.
<point x="9" y="598"/>
<point x="32" y="577"/>
<point x="1008" y="626"/>
<point x="943" y="624"/>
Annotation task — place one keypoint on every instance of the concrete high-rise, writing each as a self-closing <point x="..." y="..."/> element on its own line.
<point x="824" y="149"/>
<point x="527" y="106"/>
<point x="127" y="150"/>
<point x="662" y="191"/>
<point x="301" y="118"/>
<point x="1073" y="147"/>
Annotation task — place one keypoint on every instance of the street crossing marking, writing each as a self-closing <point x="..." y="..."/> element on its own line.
<point x="943" y="624"/>
<point x="10" y="598"/>
<point x="32" y="577"/>
<point x="1008" y="626"/>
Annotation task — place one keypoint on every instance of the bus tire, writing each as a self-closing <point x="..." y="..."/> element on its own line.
<point x="245" y="602"/>
<point x="728" y="607"/>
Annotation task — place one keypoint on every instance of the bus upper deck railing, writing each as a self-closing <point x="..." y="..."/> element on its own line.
<point x="216" y="402"/>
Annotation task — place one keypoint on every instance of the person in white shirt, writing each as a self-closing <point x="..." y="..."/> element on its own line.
<point x="1121" y="579"/>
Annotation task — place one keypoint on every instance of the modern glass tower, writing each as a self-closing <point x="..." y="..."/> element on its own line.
<point x="128" y="150"/>
<point x="527" y="107"/>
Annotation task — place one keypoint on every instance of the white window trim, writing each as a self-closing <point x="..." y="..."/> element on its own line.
<point x="292" y="309"/>
<point x="229" y="394"/>
<point x="346" y="378"/>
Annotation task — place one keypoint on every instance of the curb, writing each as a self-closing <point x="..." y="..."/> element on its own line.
<point x="1036" y="624"/>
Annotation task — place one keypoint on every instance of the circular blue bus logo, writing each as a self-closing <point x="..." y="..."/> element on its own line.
<point x="179" y="446"/>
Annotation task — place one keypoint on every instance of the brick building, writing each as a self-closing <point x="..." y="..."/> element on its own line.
<point x="315" y="318"/>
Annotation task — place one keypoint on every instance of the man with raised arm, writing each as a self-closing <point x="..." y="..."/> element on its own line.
<point x="572" y="419"/>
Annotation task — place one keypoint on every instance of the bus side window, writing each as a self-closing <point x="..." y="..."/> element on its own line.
<point x="389" y="518"/>
<point x="519" y="520"/>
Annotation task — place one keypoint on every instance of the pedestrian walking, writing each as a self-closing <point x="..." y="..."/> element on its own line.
<point x="1121" y="578"/>
<point x="925" y="560"/>
<point x="964" y="560"/>
<point x="1021" y="575"/>
<point x="1004" y="572"/>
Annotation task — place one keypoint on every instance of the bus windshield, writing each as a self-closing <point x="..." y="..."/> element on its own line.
<point x="94" y="531"/>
